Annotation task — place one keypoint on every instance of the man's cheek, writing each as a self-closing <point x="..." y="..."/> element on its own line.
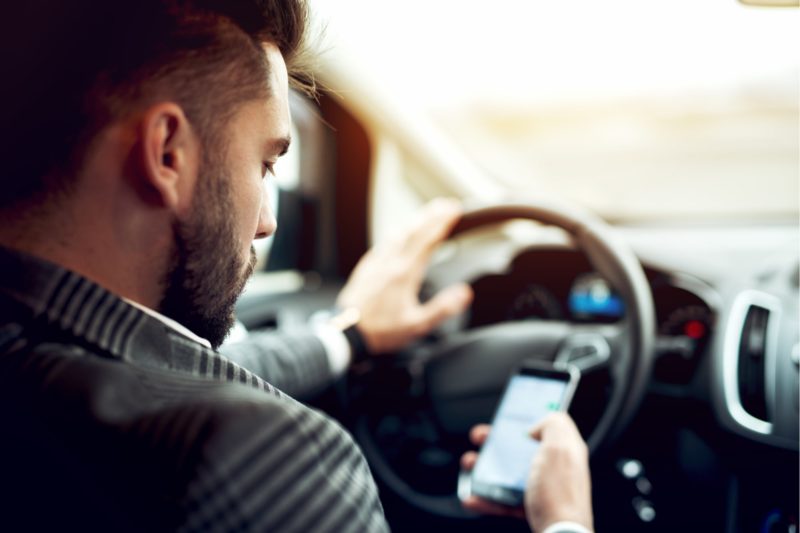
<point x="253" y="258"/>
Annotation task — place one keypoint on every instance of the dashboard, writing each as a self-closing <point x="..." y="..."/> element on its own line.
<point x="560" y="284"/>
<point x="725" y="298"/>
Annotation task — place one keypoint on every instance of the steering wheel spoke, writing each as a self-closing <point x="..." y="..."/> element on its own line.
<point x="592" y="347"/>
<point x="587" y="352"/>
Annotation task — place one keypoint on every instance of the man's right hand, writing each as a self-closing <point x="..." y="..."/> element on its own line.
<point x="559" y="485"/>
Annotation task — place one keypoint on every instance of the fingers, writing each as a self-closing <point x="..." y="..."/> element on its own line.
<point x="479" y="505"/>
<point x="447" y="303"/>
<point x="537" y="431"/>
<point x="478" y="434"/>
<point x="559" y="483"/>
<point x="432" y="226"/>
<point x="386" y="282"/>
<point x="558" y="423"/>
<point x="468" y="460"/>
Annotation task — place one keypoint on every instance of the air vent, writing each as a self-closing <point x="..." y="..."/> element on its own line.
<point x="749" y="360"/>
<point x="752" y="364"/>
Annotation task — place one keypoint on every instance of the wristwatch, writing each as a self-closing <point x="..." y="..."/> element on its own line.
<point x="347" y="321"/>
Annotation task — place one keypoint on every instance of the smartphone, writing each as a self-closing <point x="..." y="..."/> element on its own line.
<point x="534" y="390"/>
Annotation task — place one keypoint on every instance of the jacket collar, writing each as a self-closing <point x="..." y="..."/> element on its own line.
<point x="67" y="302"/>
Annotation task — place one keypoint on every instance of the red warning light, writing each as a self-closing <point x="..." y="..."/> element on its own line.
<point x="694" y="329"/>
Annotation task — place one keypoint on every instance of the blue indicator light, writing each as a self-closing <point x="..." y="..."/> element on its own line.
<point x="588" y="304"/>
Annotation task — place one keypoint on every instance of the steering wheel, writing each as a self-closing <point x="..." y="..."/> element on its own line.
<point x="455" y="371"/>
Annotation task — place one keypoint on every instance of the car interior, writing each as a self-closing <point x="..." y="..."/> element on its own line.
<point x="676" y="296"/>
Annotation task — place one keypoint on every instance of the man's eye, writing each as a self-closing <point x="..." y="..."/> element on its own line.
<point x="267" y="168"/>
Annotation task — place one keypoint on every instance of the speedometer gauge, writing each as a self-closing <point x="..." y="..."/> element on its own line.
<point x="535" y="301"/>
<point x="592" y="298"/>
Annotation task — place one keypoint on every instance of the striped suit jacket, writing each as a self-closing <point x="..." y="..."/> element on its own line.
<point x="113" y="421"/>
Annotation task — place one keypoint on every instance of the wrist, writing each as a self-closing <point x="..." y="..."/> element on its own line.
<point x="347" y="321"/>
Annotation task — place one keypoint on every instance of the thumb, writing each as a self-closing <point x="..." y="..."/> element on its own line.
<point x="537" y="431"/>
<point x="447" y="303"/>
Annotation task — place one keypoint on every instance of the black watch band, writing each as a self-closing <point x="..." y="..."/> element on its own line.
<point x="358" y="347"/>
<point x="347" y="321"/>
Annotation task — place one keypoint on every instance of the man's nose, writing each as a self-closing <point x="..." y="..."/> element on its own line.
<point x="266" y="218"/>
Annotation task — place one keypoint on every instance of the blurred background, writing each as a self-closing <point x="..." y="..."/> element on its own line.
<point x="680" y="110"/>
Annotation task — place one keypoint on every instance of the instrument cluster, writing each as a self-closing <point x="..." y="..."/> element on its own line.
<point x="559" y="284"/>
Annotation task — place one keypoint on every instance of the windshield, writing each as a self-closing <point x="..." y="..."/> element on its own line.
<point x="681" y="109"/>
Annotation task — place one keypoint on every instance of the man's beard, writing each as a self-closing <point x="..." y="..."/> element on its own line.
<point x="207" y="275"/>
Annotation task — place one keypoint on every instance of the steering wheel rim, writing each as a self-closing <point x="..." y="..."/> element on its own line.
<point x="632" y="358"/>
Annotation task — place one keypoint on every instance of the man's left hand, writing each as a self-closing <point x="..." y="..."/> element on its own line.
<point x="385" y="284"/>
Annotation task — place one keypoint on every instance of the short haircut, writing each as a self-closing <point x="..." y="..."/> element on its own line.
<point x="71" y="67"/>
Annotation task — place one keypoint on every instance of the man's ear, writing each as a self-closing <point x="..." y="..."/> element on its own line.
<point x="168" y="153"/>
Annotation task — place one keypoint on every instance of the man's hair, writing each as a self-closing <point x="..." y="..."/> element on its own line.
<point x="71" y="67"/>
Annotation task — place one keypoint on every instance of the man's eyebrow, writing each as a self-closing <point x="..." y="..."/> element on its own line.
<point x="280" y="146"/>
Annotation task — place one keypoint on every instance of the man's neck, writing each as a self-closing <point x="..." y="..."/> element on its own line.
<point x="70" y="244"/>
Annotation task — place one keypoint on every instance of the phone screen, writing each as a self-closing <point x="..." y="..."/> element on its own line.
<point x="503" y="464"/>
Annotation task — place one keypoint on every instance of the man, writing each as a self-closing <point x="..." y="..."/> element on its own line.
<point x="136" y="138"/>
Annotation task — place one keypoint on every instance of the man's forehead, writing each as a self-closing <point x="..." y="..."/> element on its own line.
<point x="275" y="122"/>
<point x="270" y="121"/>
<point x="279" y="76"/>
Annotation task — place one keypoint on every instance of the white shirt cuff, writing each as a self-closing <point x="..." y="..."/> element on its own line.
<point x="566" y="527"/>
<point x="336" y="347"/>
